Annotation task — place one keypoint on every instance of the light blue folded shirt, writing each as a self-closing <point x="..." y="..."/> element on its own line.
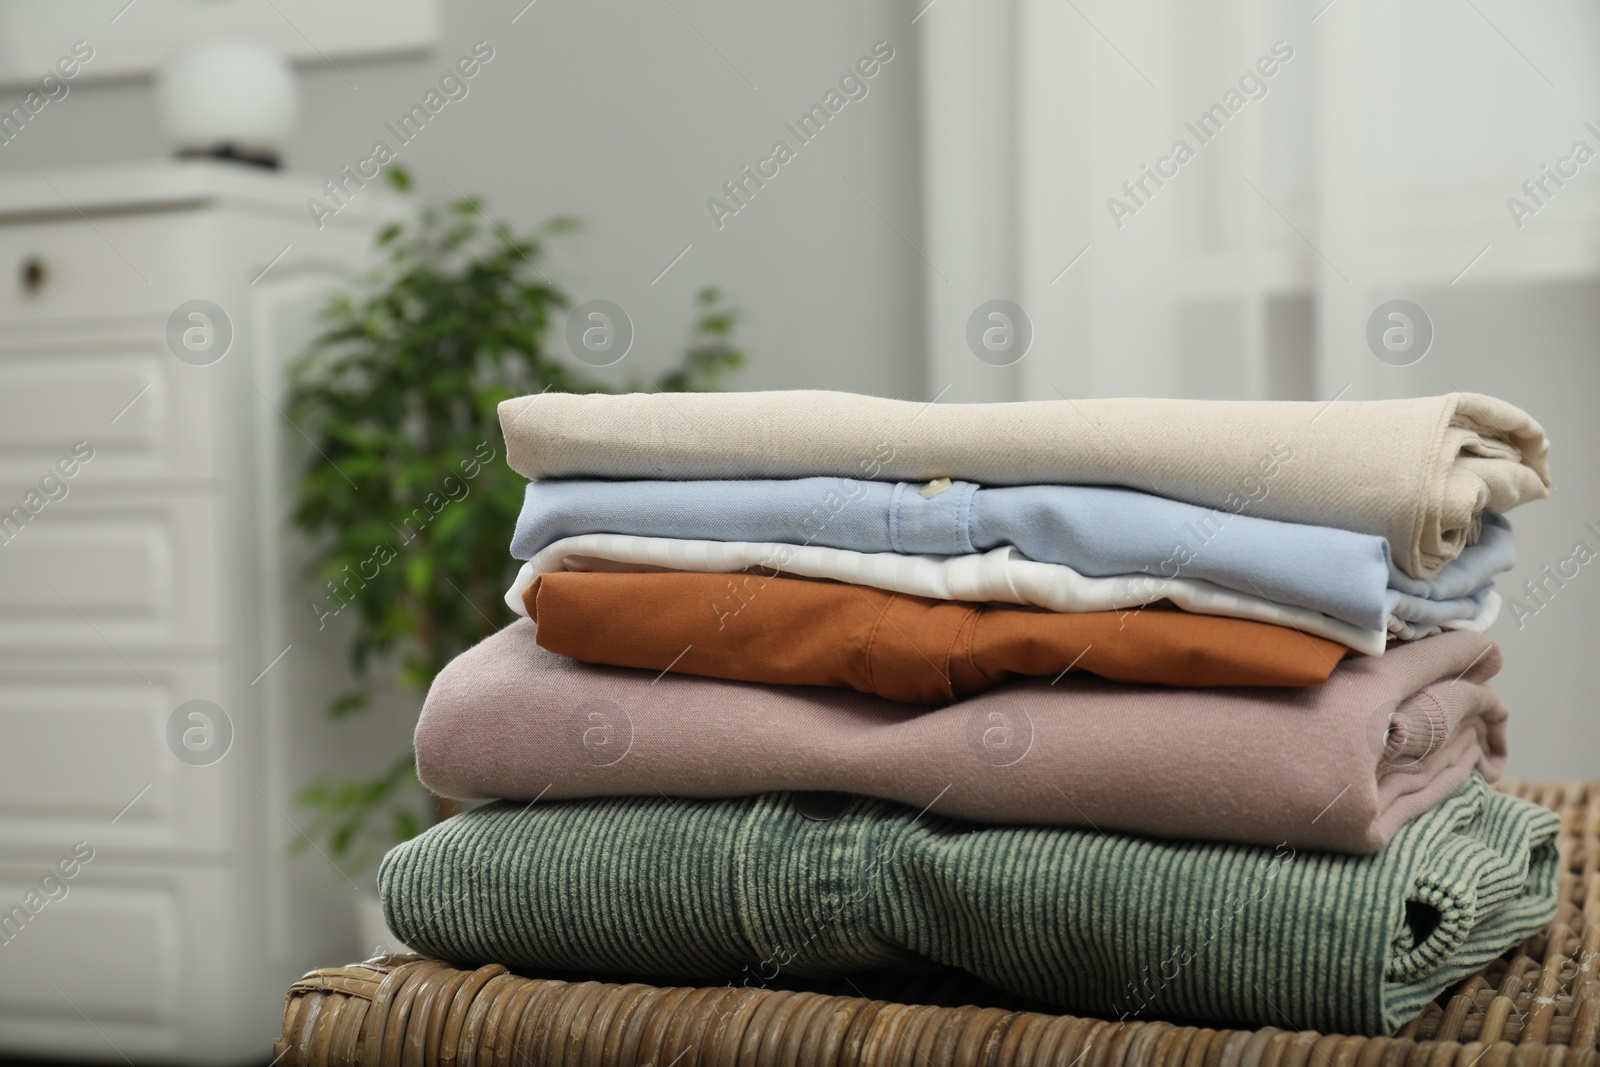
<point x="1099" y="531"/>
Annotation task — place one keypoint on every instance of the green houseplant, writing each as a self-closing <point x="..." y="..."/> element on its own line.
<point x="406" y="496"/>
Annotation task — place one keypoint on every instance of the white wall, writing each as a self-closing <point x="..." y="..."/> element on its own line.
<point x="623" y="115"/>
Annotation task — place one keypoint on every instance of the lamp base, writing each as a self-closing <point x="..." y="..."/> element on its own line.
<point x="233" y="153"/>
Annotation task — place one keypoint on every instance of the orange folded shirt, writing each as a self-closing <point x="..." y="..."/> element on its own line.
<point x="802" y="631"/>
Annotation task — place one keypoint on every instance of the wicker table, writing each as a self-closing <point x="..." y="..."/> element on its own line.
<point x="1539" y="1004"/>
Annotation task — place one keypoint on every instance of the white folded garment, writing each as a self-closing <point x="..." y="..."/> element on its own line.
<point x="1002" y="575"/>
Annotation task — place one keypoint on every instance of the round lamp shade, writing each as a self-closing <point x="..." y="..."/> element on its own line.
<point x="227" y="98"/>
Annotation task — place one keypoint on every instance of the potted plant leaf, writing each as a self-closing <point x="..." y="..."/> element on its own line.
<point x="405" y="496"/>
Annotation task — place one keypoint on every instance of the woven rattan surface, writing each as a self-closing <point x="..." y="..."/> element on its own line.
<point x="1539" y="1004"/>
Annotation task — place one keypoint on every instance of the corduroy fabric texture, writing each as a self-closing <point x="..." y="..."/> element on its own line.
<point x="796" y="631"/>
<point x="1088" y="922"/>
<point x="1419" y="472"/>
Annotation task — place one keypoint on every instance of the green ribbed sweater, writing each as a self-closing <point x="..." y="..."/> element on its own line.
<point x="1107" y="924"/>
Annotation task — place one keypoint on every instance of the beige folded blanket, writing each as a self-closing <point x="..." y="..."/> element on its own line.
<point x="1420" y="472"/>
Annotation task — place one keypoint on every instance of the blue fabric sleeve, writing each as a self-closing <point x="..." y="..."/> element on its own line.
<point x="1102" y="531"/>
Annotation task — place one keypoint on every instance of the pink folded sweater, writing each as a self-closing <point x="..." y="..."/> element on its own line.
<point x="1340" y="766"/>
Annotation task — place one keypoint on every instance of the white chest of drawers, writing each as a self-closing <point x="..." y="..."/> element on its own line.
<point x="166" y="573"/>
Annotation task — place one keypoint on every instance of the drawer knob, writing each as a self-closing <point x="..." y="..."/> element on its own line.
<point x="32" y="273"/>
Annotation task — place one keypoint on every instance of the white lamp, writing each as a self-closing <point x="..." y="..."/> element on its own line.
<point x="227" y="99"/>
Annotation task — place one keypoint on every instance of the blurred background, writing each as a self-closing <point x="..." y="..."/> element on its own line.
<point x="184" y="184"/>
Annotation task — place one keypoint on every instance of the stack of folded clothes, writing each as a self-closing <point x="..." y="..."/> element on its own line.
<point x="1133" y="707"/>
